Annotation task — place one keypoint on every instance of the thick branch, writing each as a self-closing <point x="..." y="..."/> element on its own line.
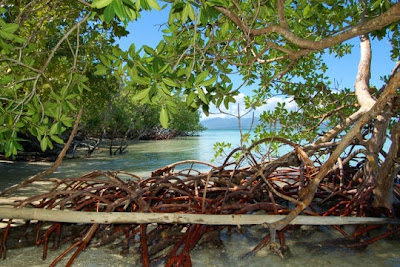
<point x="388" y="93"/>
<point x="392" y="15"/>
<point x="281" y="13"/>
<point x="384" y="188"/>
<point x="361" y="85"/>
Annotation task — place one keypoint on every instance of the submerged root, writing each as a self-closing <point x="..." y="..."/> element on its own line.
<point x="256" y="189"/>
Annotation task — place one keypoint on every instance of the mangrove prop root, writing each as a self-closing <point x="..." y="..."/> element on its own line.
<point x="178" y="201"/>
<point x="3" y="249"/>
<point x="143" y="245"/>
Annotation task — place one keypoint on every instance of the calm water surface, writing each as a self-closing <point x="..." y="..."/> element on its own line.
<point x="143" y="157"/>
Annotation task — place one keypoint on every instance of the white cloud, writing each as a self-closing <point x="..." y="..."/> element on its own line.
<point x="239" y="106"/>
<point x="273" y="102"/>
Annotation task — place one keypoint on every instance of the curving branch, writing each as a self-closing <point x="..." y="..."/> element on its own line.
<point x="392" y="15"/>
<point x="308" y="196"/>
<point x="361" y="85"/>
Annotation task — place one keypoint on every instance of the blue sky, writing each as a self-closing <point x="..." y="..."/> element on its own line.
<point x="342" y="71"/>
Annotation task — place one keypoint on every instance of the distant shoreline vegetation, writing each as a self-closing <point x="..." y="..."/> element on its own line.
<point x="229" y="123"/>
<point x="233" y="124"/>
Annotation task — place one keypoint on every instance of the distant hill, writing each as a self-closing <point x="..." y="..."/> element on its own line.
<point x="228" y="123"/>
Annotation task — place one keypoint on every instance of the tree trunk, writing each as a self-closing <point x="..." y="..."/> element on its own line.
<point x="384" y="188"/>
<point x="372" y="113"/>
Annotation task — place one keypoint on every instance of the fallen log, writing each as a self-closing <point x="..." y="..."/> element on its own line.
<point x="179" y="218"/>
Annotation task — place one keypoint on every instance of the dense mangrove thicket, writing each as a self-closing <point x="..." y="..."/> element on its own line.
<point x="56" y="55"/>
<point x="50" y="50"/>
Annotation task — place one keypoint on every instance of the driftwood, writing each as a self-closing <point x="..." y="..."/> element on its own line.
<point x="179" y="218"/>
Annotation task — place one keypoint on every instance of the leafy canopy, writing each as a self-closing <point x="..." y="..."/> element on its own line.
<point x="275" y="46"/>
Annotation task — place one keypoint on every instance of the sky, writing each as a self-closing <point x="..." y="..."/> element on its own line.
<point x="342" y="71"/>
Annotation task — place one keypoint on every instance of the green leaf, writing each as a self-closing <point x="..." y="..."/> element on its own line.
<point x="101" y="3"/>
<point x="119" y="9"/>
<point x="215" y="3"/>
<point x="131" y="13"/>
<point x="56" y="139"/>
<point x="153" y="4"/>
<point x="104" y="60"/>
<point x="109" y="13"/>
<point x="10" y="27"/>
<point x="202" y="95"/>
<point x="185" y="13"/>
<point x="164" y="89"/>
<point x="160" y="47"/>
<point x="190" y="11"/>
<point x="19" y="39"/>
<point x="190" y="97"/>
<point x="224" y="28"/>
<point x="140" y="80"/>
<point x="171" y="106"/>
<point x="43" y="144"/>
<point x="163" y="69"/>
<point x="71" y="106"/>
<point x="149" y="50"/>
<point x="306" y="11"/>
<point x="201" y="77"/>
<point x="6" y="79"/>
<point x="100" y="70"/>
<point x="132" y="50"/>
<point x="137" y="4"/>
<point x="206" y="111"/>
<point x="10" y="148"/>
<point x="164" y="118"/>
<point x="54" y="129"/>
<point x="226" y="102"/>
<point x="7" y="35"/>
<point x="49" y="143"/>
<point x="170" y="82"/>
<point x="67" y="121"/>
<point x="219" y="101"/>
<point x="203" y="16"/>
<point x="208" y="82"/>
<point x="142" y="94"/>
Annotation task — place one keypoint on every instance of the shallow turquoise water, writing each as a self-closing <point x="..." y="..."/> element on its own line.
<point x="141" y="158"/>
<point x="146" y="156"/>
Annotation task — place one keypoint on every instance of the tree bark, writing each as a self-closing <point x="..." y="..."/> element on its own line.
<point x="377" y="109"/>
<point x="361" y="85"/>
<point x="178" y="218"/>
<point x="392" y="15"/>
<point x="384" y="188"/>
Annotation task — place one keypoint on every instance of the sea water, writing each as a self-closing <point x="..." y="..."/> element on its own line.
<point x="307" y="249"/>
<point x="141" y="158"/>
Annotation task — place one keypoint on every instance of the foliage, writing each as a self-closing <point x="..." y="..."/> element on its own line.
<point x="185" y="120"/>
<point x="45" y="67"/>
<point x="50" y="55"/>
<point x="276" y="47"/>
